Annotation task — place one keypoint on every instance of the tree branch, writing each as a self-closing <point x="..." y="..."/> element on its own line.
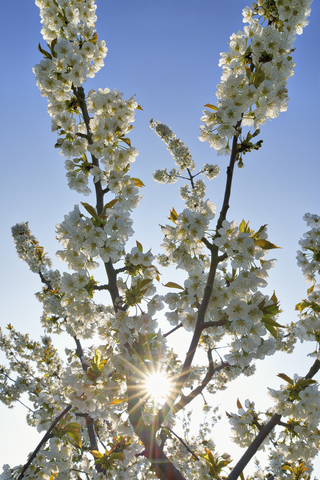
<point x="79" y="93"/>
<point x="206" y="297"/>
<point x="186" y="399"/>
<point x="253" y="448"/>
<point x="43" y="441"/>
<point x="219" y="323"/>
<point x="227" y="193"/>
<point x="89" y="420"/>
<point x="164" y="468"/>
<point x="264" y="432"/>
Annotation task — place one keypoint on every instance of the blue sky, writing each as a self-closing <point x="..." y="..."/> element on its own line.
<point x="166" y="52"/>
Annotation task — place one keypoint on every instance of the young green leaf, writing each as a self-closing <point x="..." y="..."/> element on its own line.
<point x="265" y="244"/>
<point x="173" y="285"/>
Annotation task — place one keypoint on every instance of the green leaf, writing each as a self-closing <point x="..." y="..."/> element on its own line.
<point x="138" y="107"/>
<point x="144" y="282"/>
<point x="173" y="215"/>
<point x="274" y="298"/>
<point x="269" y="321"/>
<point x="76" y="437"/>
<point x="117" y="456"/>
<point x="109" y="205"/>
<point x="96" y="454"/>
<point x="248" y="73"/>
<point x="242" y="226"/>
<point x="272" y="330"/>
<point x="138" y="182"/>
<point x="94" y="39"/>
<point x="117" y="401"/>
<point x="254" y="235"/>
<point x="285" y="377"/>
<point x="173" y="285"/>
<point x="139" y="246"/>
<point x="310" y="289"/>
<point x="302" y="305"/>
<point x="265" y="244"/>
<point x="53" y="44"/>
<point x="90" y="210"/>
<point x="286" y="467"/>
<point x="44" y="52"/>
<point x="126" y="140"/>
<point x="213" y="107"/>
<point x="97" y="358"/>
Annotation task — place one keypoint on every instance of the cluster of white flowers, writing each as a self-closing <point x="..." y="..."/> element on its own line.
<point x="28" y="248"/>
<point x="300" y="401"/>
<point x="176" y="147"/>
<point x="308" y="326"/>
<point x="255" y="71"/>
<point x="75" y="51"/>
<point x="33" y="368"/>
<point x="75" y="54"/>
<point x="244" y="424"/>
<point x="182" y="242"/>
<point x="309" y="257"/>
<point x="83" y="241"/>
<point x="194" y="194"/>
<point x="243" y="312"/>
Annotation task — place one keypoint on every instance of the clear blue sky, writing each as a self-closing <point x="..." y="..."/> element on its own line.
<point x="166" y="52"/>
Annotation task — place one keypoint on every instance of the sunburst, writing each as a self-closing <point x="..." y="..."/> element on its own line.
<point x="158" y="386"/>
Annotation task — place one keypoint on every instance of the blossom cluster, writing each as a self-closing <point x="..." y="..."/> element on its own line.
<point x="85" y="239"/>
<point x="193" y="196"/>
<point x="309" y="257"/>
<point x="76" y="54"/>
<point x="244" y="424"/>
<point x="75" y="51"/>
<point x="240" y="314"/>
<point x="300" y="401"/>
<point x="255" y="71"/>
<point x="28" y="248"/>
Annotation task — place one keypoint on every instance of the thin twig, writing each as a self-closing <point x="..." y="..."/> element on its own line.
<point x="173" y="330"/>
<point x="183" y="443"/>
<point x="186" y="399"/>
<point x="207" y="243"/>
<point x="43" y="280"/>
<point x="219" y="323"/>
<point x="101" y="287"/>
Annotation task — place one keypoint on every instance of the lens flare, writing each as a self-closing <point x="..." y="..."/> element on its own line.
<point x="158" y="386"/>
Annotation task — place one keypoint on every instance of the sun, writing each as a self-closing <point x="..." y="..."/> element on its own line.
<point x="158" y="386"/>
